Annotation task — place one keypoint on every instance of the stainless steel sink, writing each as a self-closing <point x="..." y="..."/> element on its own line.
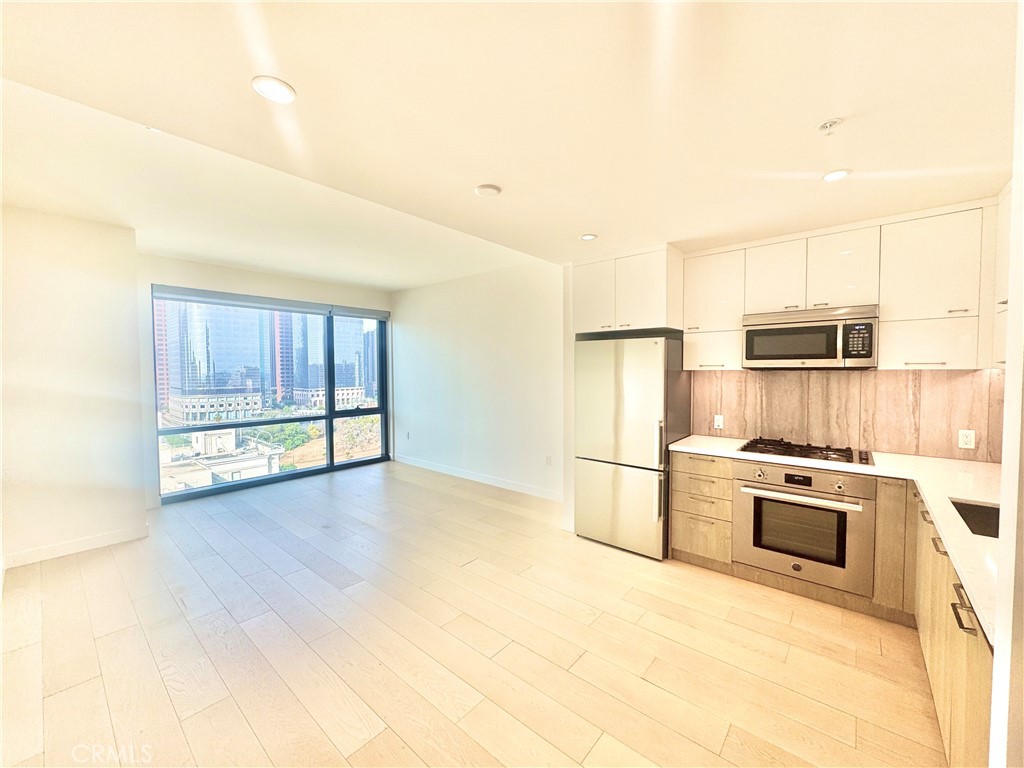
<point x="981" y="519"/>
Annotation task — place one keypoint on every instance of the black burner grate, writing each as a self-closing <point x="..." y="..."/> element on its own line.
<point x="820" y="452"/>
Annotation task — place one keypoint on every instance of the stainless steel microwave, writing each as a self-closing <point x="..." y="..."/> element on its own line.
<point x="841" y="337"/>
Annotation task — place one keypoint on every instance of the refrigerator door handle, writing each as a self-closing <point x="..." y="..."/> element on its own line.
<point x="658" y="514"/>
<point x="661" y="444"/>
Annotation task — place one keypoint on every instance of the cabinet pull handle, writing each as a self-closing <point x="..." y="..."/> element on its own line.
<point x="960" y="622"/>
<point x="700" y="458"/>
<point x="702" y="501"/>
<point x="712" y="365"/>
<point x="623" y="325"/>
<point x="1003" y="303"/>
<point x="792" y="306"/>
<point x="606" y="326"/>
<point x="693" y="328"/>
<point x="924" y="515"/>
<point x="820" y="304"/>
<point x="699" y="520"/>
<point x="951" y="311"/>
<point x="937" y="543"/>
<point x="1000" y="362"/>
<point x="961" y="595"/>
<point x="940" y="362"/>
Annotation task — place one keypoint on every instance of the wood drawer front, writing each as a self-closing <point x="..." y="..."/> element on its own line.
<point x="703" y="506"/>
<point x="702" y="536"/>
<point x="697" y="485"/>
<point x="710" y="466"/>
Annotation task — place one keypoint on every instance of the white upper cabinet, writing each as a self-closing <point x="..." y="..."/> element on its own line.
<point x="640" y="291"/>
<point x="629" y="293"/>
<point x="593" y="297"/>
<point x="776" y="277"/>
<point x="931" y="267"/>
<point x="715" y="351"/>
<point x="1002" y="280"/>
<point x="712" y="300"/>
<point x="842" y="269"/>
<point x="943" y="344"/>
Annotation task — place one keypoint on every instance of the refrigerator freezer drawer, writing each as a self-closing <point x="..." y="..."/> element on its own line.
<point x="621" y="506"/>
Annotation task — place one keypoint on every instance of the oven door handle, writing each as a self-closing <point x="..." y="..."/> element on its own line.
<point x="842" y="506"/>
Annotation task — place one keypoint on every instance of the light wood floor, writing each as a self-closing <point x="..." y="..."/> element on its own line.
<point x="388" y="615"/>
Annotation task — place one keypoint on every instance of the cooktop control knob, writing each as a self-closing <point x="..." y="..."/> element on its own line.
<point x="759" y="474"/>
<point x="840" y="487"/>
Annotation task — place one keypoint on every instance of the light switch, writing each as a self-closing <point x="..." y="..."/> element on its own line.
<point x="719" y="421"/>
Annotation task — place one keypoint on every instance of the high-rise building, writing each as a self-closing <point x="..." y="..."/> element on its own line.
<point x="370" y="364"/>
<point x="160" y="352"/>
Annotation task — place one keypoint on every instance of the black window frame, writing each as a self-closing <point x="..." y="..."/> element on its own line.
<point x="330" y="415"/>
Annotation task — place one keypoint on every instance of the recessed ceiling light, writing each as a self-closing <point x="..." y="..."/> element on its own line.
<point x="487" y="190"/>
<point x="836" y="175"/>
<point x="588" y="236"/>
<point x="273" y="89"/>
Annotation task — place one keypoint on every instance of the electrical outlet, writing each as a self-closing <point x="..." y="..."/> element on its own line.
<point x="719" y="421"/>
<point x="965" y="439"/>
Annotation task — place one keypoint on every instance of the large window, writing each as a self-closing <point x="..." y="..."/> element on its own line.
<point x="243" y="389"/>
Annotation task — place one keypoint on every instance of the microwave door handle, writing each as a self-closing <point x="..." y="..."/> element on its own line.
<point x="841" y="506"/>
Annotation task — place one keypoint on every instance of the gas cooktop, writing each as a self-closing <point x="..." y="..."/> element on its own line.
<point x="820" y="452"/>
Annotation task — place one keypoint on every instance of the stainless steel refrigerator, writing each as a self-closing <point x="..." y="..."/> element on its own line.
<point x="632" y="398"/>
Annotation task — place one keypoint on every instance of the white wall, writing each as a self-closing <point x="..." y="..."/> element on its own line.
<point x="478" y="378"/>
<point x="212" y="277"/>
<point x="72" y="400"/>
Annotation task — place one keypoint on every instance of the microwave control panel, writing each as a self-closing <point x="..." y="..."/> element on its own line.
<point x="858" y="340"/>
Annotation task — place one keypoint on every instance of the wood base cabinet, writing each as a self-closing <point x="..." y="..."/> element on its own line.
<point x="701" y="507"/>
<point x="956" y="653"/>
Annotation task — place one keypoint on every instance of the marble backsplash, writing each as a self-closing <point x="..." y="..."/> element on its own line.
<point x="917" y="412"/>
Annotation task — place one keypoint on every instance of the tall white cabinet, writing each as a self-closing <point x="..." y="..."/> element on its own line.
<point x="713" y="311"/>
<point x="776" y="277"/>
<point x="842" y="269"/>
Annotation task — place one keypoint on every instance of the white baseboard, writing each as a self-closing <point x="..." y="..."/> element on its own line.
<point x="14" y="559"/>
<point x="510" y="485"/>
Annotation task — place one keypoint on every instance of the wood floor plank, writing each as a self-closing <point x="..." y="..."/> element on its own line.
<point x="609" y="752"/>
<point x="696" y="724"/>
<point x="433" y="680"/>
<point x="285" y="729"/>
<point x="385" y="750"/>
<point x="508" y="739"/>
<point x="896" y="670"/>
<point x="896" y="750"/>
<point x="641" y="733"/>
<point x="22" y="608"/>
<point x="477" y="635"/>
<point x="742" y="685"/>
<point x="300" y="614"/>
<point x="562" y="727"/>
<point x="137" y="565"/>
<point x="233" y="592"/>
<point x="145" y="725"/>
<point x="584" y="593"/>
<point x="767" y="723"/>
<point x="316" y="560"/>
<point x="420" y="600"/>
<point x="258" y="543"/>
<point x="189" y="676"/>
<point x="220" y="735"/>
<point x="346" y="719"/>
<point x="78" y="727"/>
<point x="749" y="751"/>
<point x="844" y="651"/>
<point x="110" y="605"/>
<point x="69" y="654"/>
<point x="22" y="699"/>
<point x="188" y="540"/>
<point x="408" y="714"/>
<point x="235" y="554"/>
<point x="556" y="601"/>
<point x="193" y="595"/>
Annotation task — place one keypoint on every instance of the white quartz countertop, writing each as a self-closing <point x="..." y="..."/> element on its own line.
<point x="938" y="481"/>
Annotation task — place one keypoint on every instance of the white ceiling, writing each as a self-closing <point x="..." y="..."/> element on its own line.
<point x="646" y="123"/>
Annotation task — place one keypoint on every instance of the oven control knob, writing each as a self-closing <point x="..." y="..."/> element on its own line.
<point x="759" y="474"/>
<point x="840" y="487"/>
<point x="797" y="567"/>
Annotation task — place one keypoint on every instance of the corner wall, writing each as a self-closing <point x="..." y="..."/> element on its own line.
<point x="478" y="378"/>
<point x="72" y="400"/>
